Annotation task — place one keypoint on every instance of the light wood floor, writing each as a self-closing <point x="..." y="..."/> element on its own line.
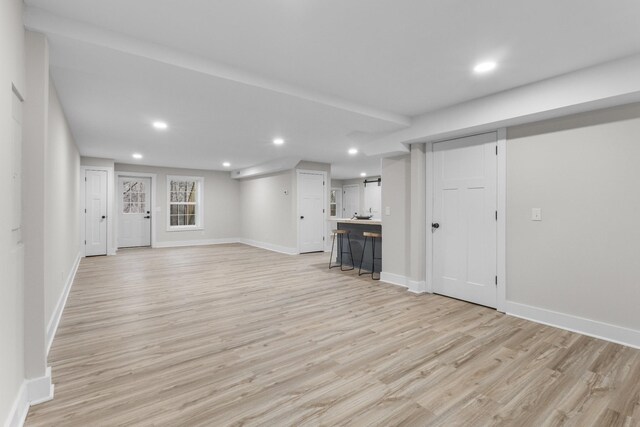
<point x="233" y="335"/>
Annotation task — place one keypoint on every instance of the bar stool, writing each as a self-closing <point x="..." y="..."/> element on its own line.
<point x="341" y="234"/>
<point x="373" y="236"/>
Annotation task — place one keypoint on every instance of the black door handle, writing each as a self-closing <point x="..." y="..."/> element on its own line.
<point x="435" y="225"/>
<point x="301" y="217"/>
<point x="147" y="216"/>
<point x="104" y="217"/>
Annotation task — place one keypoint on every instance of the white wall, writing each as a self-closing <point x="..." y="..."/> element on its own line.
<point x="97" y="162"/>
<point x="34" y="143"/>
<point x="221" y="205"/>
<point x="62" y="196"/>
<point x="268" y="209"/>
<point x="11" y="302"/>
<point x="583" y="258"/>
<point x="396" y="194"/>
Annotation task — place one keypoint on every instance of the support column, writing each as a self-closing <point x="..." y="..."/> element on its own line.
<point x="34" y="150"/>
<point x="417" y="279"/>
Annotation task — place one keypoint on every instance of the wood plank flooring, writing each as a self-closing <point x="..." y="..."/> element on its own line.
<point x="234" y="335"/>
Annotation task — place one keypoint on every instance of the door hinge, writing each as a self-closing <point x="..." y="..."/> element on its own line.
<point x="85" y="211"/>
<point x="85" y="179"/>
<point x="322" y="210"/>
<point x="85" y="242"/>
<point x="496" y="280"/>
<point x="496" y="215"/>
<point x="323" y="238"/>
<point x="496" y="150"/>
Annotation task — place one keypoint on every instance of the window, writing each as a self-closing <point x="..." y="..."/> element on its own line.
<point x="185" y="202"/>
<point x="134" y="197"/>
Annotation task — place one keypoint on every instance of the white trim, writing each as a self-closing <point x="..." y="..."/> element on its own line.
<point x="40" y="389"/>
<point x="20" y="408"/>
<point x="429" y="169"/>
<point x="501" y="203"/>
<point x="417" y="286"/>
<point x="52" y="327"/>
<point x="202" y="242"/>
<point x="199" y="204"/>
<point x="154" y="209"/>
<point x="270" y="247"/>
<point x="413" y="286"/>
<point x="581" y="325"/>
<point x="325" y="205"/>
<point x="111" y="245"/>
<point x="394" y="279"/>
<point x="501" y="242"/>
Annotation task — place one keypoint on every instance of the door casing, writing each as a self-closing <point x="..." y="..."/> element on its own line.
<point x="154" y="212"/>
<point x="501" y="241"/>
<point x="110" y="211"/>
<point x="119" y="207"/>
<point x="325" y="204"/>
<point x="90" y="215"/>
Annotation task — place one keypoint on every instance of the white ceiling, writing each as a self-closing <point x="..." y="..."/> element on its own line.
<point x="349" y="68"/>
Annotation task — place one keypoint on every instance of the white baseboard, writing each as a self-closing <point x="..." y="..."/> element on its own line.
<point x="201" y="242"/>
<point x="52" y="326"/>
<point x="31" y="392"/>
<point x="581" y="325"/>
<point x="269" y="246"/>
<point x="417" y="286"/>
<point x="19" y="409"/>
<point x="394" y="279"/>
<point x="413" y="286"/>
<point x="40" y="390"/>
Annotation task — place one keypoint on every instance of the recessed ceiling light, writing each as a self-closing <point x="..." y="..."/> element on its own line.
<point x="136" y="155"/>
<point x="278" y="141"/>
<point x="363" y="174"/>
<point x="160" y="125"/>
<point x="226" y="164"/>
<point x="485" y="67"/>
<point x="353" y="151"/>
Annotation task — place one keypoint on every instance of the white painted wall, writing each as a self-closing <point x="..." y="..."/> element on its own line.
<point x="221" y="205"/>
<point x="61" y="205"/>
<point x="97" y="162"/>
<point x="268" y="209"/>
<point x="582" y="259"/>
<point x="35" y="134"/>
<point x="396" y="230"/>
<point x="11" y="303"/>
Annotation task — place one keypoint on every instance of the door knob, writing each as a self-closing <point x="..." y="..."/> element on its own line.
<point x="301" y="217"/>
<point x="104" y="217"/>
<point x="435" y="225"/>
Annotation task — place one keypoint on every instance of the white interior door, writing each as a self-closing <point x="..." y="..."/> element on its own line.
<point x="134" y="217"/>
<point x="96" y="212"/>
<point x="350" y="200"/>
<point x="311" y="202"/>
<point x="464" y="216"/>
<point x="373" y="200"/>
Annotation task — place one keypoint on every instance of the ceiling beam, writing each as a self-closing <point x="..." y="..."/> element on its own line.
<point x="39" y="20"/>
<point x="602" y="86"/>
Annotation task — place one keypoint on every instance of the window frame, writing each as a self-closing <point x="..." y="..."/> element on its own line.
<point x="199" y="210"/>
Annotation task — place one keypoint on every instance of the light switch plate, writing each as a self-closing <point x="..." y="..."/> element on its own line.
<point x="387" y="210"/>
<point x="536" y="214"/>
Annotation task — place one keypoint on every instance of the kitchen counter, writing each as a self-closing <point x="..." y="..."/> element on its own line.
<point x="357" y="227"/>
<point x="357" y="221"/>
